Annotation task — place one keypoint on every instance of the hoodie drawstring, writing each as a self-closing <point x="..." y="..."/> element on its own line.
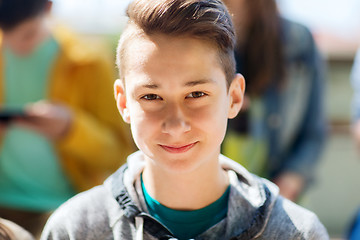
<point x="139" y="223"/>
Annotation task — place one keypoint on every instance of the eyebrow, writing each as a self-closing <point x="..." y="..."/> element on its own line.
<point x="188" y="84"/>
<point x="199" y="82"/>
<point x="150" y="86"/>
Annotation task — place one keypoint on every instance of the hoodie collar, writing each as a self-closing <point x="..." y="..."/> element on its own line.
<point x="122" y="187"/>
<point x="250" y="203"/>
<point x="120" y="193"/>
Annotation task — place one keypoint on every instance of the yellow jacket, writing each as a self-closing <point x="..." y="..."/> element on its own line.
<point x="98" y="141"/>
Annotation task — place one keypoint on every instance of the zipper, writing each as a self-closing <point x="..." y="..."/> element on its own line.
<point x="165" y="235"/>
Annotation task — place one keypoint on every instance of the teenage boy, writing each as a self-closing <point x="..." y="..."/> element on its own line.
<point x="177" y="88"/>
<point x="69" y="138"/>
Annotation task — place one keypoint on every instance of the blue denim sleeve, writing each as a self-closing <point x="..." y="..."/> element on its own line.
<point x="310" y="141"/>
<point x="355" y="82"/>
<point x="354" y="233"/>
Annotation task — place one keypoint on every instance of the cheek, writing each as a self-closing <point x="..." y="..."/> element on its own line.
<point x="139" y="133"/>
<point x="212" y="119"/>
<point x="144" y="125"/>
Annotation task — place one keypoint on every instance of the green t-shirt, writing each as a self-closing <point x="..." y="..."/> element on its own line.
<point x="188" y="224"/>
<point x="30" y="173"/>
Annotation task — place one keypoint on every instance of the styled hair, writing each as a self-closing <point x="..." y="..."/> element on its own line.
<point x="207" y="20"/>
<point x="263" y="60"/>
<point x="14" y="12"/>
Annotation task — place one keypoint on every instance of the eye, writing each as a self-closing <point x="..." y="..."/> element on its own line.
<point x="196" y="95"/>
<point x="150" y="97"/>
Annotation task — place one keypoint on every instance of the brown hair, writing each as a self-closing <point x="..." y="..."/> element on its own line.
<point x="207" y="20"/>
<point x="262" y="47"/>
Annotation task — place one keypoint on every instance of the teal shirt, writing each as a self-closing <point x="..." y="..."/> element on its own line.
<point x="30" y="173"/>
<point x="188" y="224"/>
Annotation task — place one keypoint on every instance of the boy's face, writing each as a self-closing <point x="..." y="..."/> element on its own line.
<point x="26" y="36"/>
<point x="176" y="100"/>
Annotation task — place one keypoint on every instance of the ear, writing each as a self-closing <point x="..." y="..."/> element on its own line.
<point x="236" y="94"/>
<point x="120" y="97"/>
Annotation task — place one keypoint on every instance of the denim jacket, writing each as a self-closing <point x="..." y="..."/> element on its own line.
<point x="117" y="210"/>
<point x="355" y="82"/>
<point x="294" y="120"/>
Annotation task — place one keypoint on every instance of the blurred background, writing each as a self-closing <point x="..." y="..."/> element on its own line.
<point x="336" y="27"/>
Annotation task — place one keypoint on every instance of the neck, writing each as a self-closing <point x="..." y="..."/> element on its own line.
<point x="45" y="31"/>
<point x="186" y="191"/>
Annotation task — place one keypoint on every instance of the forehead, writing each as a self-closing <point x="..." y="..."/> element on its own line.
<point x="163" y="52"/>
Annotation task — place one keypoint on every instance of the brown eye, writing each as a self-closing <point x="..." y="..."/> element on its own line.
<point x="150" y="97"/>
<point x="196" y="95"/>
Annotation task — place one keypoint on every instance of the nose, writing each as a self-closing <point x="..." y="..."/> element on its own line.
<point x="176" y="122"/>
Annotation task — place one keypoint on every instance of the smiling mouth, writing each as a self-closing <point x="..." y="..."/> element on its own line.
<point x="178" y="149"/>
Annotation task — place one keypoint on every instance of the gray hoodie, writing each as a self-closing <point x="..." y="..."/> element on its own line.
<point x="117" y="210"/>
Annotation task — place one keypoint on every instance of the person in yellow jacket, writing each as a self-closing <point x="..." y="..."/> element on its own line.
<point x="59" y="131"/>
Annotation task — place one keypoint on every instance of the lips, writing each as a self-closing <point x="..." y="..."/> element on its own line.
<point x="178" y="149"/>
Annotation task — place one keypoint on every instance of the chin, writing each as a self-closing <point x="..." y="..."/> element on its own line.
<point x="180" y="165"/>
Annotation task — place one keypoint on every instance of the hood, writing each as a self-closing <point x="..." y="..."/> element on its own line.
<point x="251" y="201"/>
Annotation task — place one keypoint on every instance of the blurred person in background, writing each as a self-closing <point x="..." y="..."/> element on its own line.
<point x="354" y="232"/>
<point x="280" y="131"/>
<point x="59" y="130"/>
<point x="355" y="82"/>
